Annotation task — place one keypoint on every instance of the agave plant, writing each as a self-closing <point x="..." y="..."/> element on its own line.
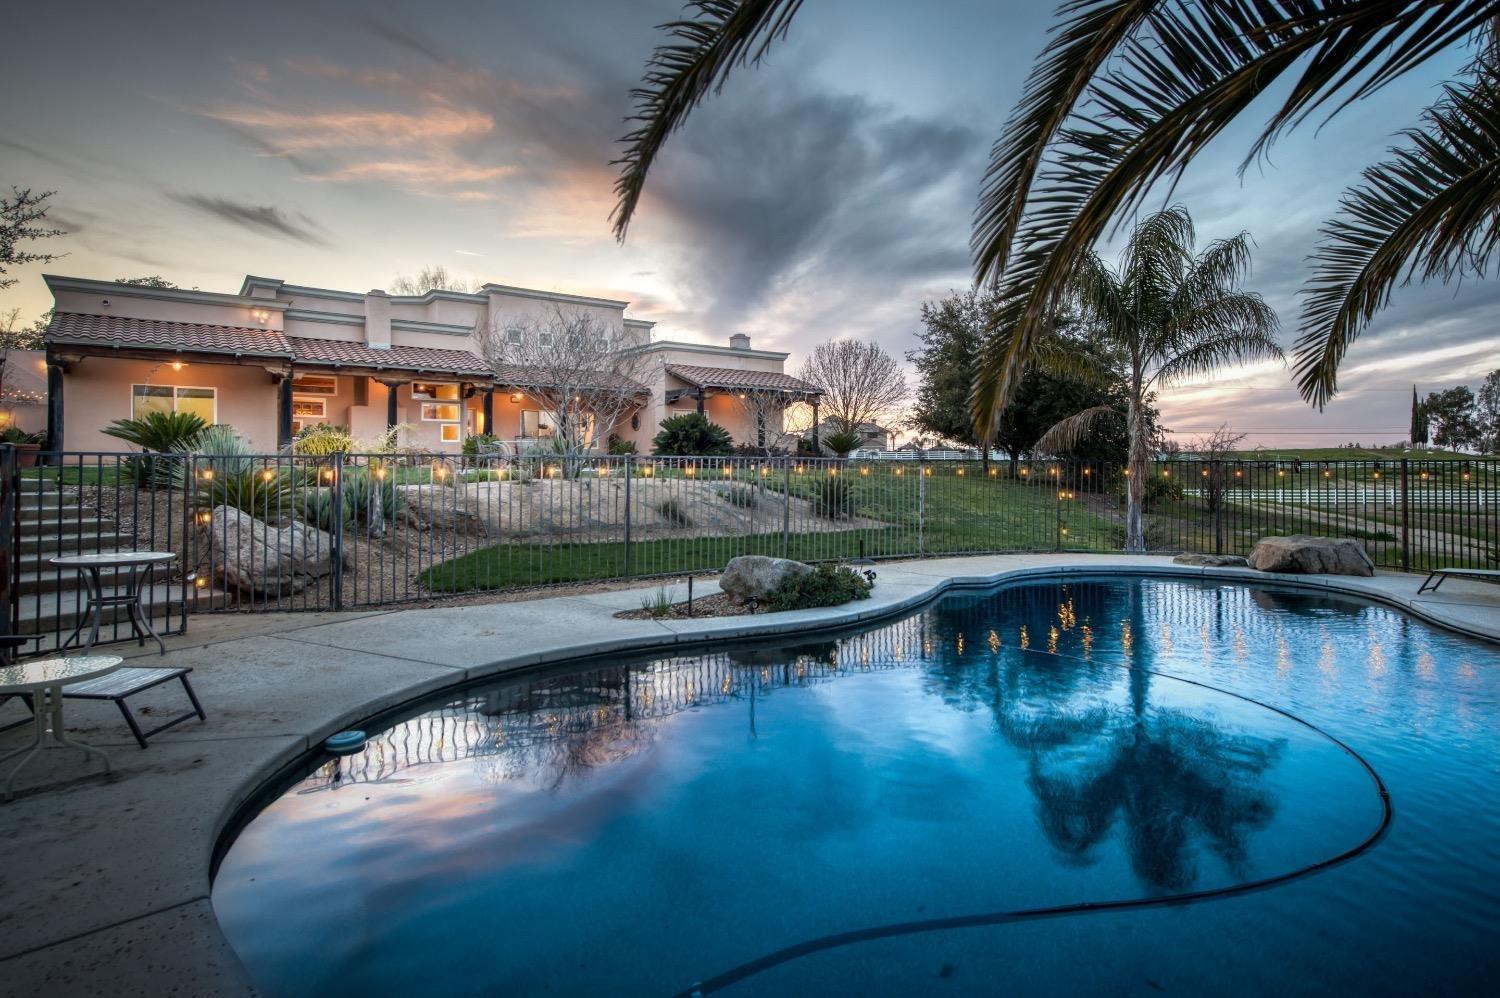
<point x="1127" y="94"/>
<point x="159" y="432"/>
<point x="842" y="442"/>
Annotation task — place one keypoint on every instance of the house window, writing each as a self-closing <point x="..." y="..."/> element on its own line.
<point x="315" y="384"/>
<point x="437" y="392"/>
<point x="448" y="433"/>
<point x="535" y="423"/>
<point x="513" y="336"/>
<point x="309" y="408"/>
<point x="440" y="412"/>
<point x="201" y="402"/>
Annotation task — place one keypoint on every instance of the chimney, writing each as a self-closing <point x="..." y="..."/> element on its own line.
<point x="739" y="341"/>
<point x="378" y="320"/>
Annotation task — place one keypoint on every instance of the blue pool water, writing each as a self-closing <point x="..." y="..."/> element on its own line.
<point x="846" y="815"/>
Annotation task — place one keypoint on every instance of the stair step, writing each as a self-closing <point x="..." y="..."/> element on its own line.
<point x="39" y="577"/>
<point x="31" y="513"/>
<point x="46" y="614"/>
<point x="70" y="542"/>
<point x="88" y="524"/>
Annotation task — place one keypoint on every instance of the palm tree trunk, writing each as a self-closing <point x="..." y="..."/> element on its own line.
<point x="1135" y="482"/>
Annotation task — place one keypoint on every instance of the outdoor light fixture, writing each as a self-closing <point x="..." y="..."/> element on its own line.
<point x="927" y="472"/>
<point x="764" y="470"/>
<point x="328" y="474"/>
<point x="380" y="473"/>
<point x="899" y="470"/>
<point x="208" y="474"/>
<point x="515" y="397"/>
<point x="833" y="472"/>
<point x="866" y="471"/>
<point x="200" y="581"/>
<point x="268" y="474"/>
<point x="177" y="365"/>
<point x="996" y="471"/>
<point x="648" y="470"/>
<point x="689" y="471"/>
<point x="1025" y="472"/>
<point x="728" y="471"/>
<point x="959" y="472"/>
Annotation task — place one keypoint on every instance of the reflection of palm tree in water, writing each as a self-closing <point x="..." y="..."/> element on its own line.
<point x="1171" y="778"/>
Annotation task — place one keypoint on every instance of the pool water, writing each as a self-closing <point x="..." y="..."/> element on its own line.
<point x="857" y="814"/>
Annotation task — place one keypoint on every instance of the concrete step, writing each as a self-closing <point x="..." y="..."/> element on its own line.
<point x="47" y="614"/>
<point x="70" y="542"/>
<point x="31" y="513"/>
<point x="86" y="523"/>
<point x="39" y="577"/>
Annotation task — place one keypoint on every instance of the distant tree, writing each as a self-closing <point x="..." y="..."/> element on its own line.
<point x="1420" y="428"/>
<point x="1172" y="315"/>
<point x="1487" y="414"/>
<point x="861" y="383"/>
<point x="1216" y="449"/>
<point x="1452" y="415"/>
<point x="433" y="278"/>
<point x="23" y="218"/>
<point x="573" y="368"/>
<point x="153" y="281"/>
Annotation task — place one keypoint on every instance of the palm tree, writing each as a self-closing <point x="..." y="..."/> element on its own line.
<point x="1126" y="94"/>
<point x="1171" y="316"/>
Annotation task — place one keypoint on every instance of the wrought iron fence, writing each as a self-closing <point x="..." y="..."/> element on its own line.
<point x="256" y="533"/>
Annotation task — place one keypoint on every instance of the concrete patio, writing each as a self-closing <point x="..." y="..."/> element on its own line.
<point x="105" y="887"/>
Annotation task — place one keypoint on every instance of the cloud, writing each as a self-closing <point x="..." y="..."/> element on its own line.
<point x="264" y="219"/>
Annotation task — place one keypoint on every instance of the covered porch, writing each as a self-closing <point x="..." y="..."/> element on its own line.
<point x="751" y="405"/>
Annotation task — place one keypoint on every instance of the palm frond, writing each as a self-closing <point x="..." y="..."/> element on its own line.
<point x="720" y="36"/>
<point x="1172" y="87"/>
<point x="1088" y="36"/>
<point x="1432" y="211"/>
<point x="1069" y="433"/>
<point x="1065" y="359"/>
<point x="1251" y="342"/>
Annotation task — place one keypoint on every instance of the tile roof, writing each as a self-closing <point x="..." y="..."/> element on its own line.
<point x="118" y="331"/>
<point x="398" y="358"/>
<point x="735" y="380"/>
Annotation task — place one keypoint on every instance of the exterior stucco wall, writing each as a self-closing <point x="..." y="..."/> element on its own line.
<point x="96" y="392"/>
<point x="131" y="303"/>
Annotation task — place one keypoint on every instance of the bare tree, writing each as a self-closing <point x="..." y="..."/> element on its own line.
<point x="861" y="383"/>
<point x="22" y="219"/>
<point x="778" y="419"/>
<point x="433" y="278"/>
<point x="1216" y="450"/>
<point x="579" y="370"/>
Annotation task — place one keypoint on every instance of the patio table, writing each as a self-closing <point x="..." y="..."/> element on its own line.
<point x="43" y="680"/>
<point x="138" y="566"/>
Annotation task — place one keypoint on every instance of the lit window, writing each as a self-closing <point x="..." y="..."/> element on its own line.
<point x="315" y="384"/>
<point x="448" y="433"/>
<point x="427" y="390"/>
<point x="201" y="402"/>
<point x="440" y="412"/>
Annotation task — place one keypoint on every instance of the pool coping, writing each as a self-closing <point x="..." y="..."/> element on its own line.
<point x="172" y="940"/>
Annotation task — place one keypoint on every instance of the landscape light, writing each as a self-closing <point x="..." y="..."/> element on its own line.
<point x="833" y="472"/>
<point x="689" y="471"/>
<point x="927" y="472"/>
<point x="648" y="470"/>
<point x="960" y="472"/>
<point x="208" y="474"/>
<point x="200" y="581"/>
<point x="268" y="474"/>
<point x="728" y="471"/>
<point x="900" y="470"/>
<point x="866" y="471"/>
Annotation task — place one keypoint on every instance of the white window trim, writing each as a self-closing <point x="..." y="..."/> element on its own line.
<point x="429" y="397"/>
<point x="306" y="389"/>
<point x="443" y="429"/>
<point x="321" y="403"/>
<point x="130" y="402"/>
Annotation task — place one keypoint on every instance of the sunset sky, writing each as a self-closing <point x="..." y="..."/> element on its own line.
<point x="826" y="194"/>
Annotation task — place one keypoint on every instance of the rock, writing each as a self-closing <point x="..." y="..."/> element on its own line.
<point x="444" y="510"/>
<point x="755" y="576"/>
<point x="250" y="556"/>
<point x="1211" y="560"/>
<point x="1304" y="555"/>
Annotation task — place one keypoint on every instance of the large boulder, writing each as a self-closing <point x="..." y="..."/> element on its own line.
<point x="1211" y="560"/>
<point x="247" y="555"/>
<point x="1304" y="555"/>
<point x="755" y="576"/>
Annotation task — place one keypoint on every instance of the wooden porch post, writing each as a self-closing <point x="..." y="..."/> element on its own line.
<point x="392" y="414"/>
<point x="489" y="410"/>
<point x="284" y="412"/>
<point x="54" y="405"/>
<point x="817" y="438"/>
<point x="699" y="395"/>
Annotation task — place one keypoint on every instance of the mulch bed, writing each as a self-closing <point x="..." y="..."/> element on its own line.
<point x="717" y="605"/>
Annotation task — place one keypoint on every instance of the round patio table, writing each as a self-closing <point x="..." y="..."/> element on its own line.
<point x="138" y="566"/>
<point x="42" y="682"/>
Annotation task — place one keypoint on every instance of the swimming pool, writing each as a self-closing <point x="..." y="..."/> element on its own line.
<point x="890" y="812"/>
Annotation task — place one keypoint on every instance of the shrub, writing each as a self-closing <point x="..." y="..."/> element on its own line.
<point x="227" y="474"/>
<point x="657" y="604"/>
<point x="742" y="496"/>
<point x="480" y="443"/>
<point x="620" y="447"/>
<point x="321" y="440"/>
<point x="842" y="442"/>
<point x="833" y="498"/>
<point x="691" y="435"/>
<point x="15" y="435"/>
<point x="1159" y="488"/>
<point x="159" y="432"/>
<point x="367" y="500"/>
<point x="825" y="585"/>
<point x="673" y="510"/>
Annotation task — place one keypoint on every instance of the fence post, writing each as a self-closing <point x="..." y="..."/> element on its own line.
<point x="1405" y="519"/>
<point x="10" y="504"/>
<point x="336" y="531"/>
<point x="786" y="507"/>
<point x="921" y="508"/>
<point x="1057" y="534"/>
<point x="629" y="473"/>
<point x="1219" y="489"/>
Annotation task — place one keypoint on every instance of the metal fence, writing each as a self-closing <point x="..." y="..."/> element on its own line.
<point x="280" y="532"/>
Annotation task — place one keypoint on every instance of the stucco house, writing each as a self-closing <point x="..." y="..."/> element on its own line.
<point x="274" y="356"/>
